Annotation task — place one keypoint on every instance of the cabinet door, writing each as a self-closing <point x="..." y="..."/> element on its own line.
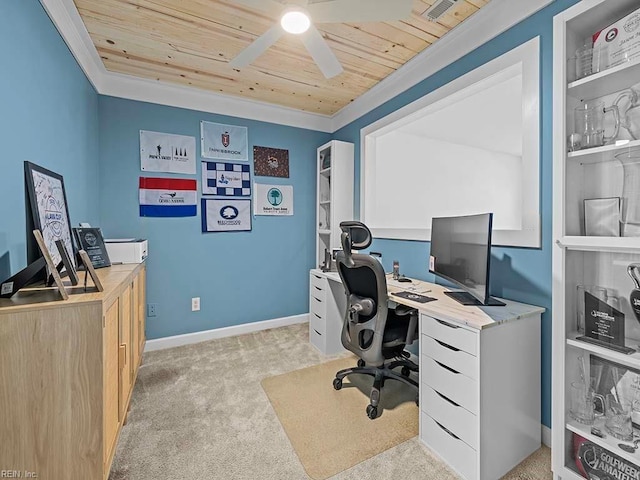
<point x="125" y="350"/>
<point x="142" y="312"/>
<point x="111" y="353"/>
<point x="135" y="327"/>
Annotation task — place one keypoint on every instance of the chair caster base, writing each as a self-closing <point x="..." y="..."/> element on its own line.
<point x="372" y="412"/>
<point x="337" y="383"/>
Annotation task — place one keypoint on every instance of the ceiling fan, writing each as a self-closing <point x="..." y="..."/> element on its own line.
<point x="298" y="17"/>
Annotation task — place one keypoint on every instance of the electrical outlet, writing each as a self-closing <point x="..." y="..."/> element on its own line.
<point x="195" y="304"/>
<point x="151" y="309"/>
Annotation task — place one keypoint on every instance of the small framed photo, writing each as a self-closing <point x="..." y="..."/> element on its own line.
<point x="602" y="217"/>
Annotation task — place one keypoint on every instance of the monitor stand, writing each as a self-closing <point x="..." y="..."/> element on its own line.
<point x="466" y="298"/>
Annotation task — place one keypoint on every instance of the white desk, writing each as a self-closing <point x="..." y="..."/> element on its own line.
<point x="479" y="373"/>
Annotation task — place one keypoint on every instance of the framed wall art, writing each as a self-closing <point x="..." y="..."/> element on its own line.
<point x="49" y="209"/>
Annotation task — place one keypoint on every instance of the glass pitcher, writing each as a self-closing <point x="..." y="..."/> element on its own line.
<point x="628" y="105"/>
<point x="589" y="123"/>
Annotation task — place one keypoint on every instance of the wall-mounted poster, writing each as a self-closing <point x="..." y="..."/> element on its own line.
<point x="49" y="208"/>
<point x="226" y="179"/>
<point x="165" y="152"/>
<point x="226" y="142"/>
<point x="168" y="197"/>
<point x="226" y="215"/>
<point x="270" y="162"/>
<point x="273" y="199"/>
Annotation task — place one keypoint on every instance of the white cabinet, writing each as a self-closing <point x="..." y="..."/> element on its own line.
<point x="480" y="391"/>
<point x="334" y="194"/>
<point x="590" y="248"/>
<point x="327" y="306"/>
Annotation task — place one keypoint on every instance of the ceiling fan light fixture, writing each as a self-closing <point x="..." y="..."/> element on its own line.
<point x="295" y="20"/>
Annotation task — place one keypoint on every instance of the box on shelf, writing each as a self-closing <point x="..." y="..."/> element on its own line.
<point x="130" y="250"/>
<point x="619" y="42"/>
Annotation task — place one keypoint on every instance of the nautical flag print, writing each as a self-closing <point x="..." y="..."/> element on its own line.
<point x="168" y="197"/>
<point x="227" y="179"/>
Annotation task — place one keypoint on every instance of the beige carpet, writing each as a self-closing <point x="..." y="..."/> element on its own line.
<point x="329" y="429"/>
<point x="199" y="412"/>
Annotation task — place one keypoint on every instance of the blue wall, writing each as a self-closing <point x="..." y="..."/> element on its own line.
<point x="240" y="277"/>
<point x="49" y="116"/>
<point x="517" y="273"/>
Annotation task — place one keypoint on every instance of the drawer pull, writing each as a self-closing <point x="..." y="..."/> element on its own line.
<point x="447" y="368"/>
<point x="447" y="430"/>
<point x="447" y="399"/>
<point x="317" y="299"/>
<point x="317" y="315"/>
<point x="317" y="288"/>
<point x="317" y="332"/>
<point x="446" y="324"/>
<point x="446" y="345"/>
<point x="319" y="278"/>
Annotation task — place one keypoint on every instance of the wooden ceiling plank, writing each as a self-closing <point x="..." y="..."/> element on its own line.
<point x="349" y="83"/>
<point x="457" y="14"/>
<point x="301" y="102"/>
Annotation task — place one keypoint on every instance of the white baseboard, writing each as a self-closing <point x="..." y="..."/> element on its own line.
<point x="197" y="337"/>
<point x="546" y="436"/>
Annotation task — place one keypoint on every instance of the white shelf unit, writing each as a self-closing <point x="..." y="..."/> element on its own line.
<point x="334" y="194"/>
<point x="577" y="258"/>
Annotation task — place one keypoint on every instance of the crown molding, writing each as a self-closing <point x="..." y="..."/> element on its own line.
<point x="489" y="22"/>
<point x="493" y="19"/>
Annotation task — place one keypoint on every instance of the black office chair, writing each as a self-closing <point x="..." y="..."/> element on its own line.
<point x="372" y="330"/>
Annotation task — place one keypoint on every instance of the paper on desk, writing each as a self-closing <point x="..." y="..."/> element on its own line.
<point x="414" y="286"/>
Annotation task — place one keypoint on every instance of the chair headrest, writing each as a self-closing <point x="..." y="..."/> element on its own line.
<point x="358" y="235"/>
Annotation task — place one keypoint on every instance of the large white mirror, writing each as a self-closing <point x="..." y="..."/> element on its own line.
<point x="472" y="146"/>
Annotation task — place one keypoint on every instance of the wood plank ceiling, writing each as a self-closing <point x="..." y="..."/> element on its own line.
<point x="190" y="42"/>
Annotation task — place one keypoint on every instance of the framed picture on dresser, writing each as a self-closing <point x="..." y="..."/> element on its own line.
<point x="49" y="211"/>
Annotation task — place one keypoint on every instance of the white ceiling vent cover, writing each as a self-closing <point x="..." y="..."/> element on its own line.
<point x="435" y="11"/>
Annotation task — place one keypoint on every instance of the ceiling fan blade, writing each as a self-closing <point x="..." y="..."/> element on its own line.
<point x="267" y="6"/>
<point x="355" y="11"/>
<point x="321" y="53"/>
<point x="257" y="48"/>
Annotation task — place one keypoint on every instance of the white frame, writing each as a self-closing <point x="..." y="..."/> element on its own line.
<point x="526" y="57"/>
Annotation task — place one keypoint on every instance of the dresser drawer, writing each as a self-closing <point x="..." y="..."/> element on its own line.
<point x="318" y="322"/>
<point x="451" y="334"/>
<point x="460" y="456"/>
<point x="318" y="306"/>
<point x="454" y="385"/>
<point x="453" y="357"/>
<point x="317" y="339"/>
<point x="455" y="418"/>
<point x="318" y="285"/>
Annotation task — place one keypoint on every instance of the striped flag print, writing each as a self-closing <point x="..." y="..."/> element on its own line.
<point x="168" y="197"/>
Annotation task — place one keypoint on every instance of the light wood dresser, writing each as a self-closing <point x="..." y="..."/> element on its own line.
<point x="67" y="370"/>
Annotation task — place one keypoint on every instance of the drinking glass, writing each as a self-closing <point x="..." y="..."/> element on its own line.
<point x="618" y="418"/>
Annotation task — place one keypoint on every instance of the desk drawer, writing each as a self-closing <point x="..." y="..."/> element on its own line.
<point x="317" y="322"/>
<point x="453" y="357"/>
<point x="450" y="333"/>
<point x="456" y="419"/>
<point x="318" y="306"/>
<point x="460" y="456"/>
<point x="317" y="339"/>
<point x="318" y="284"/>
<point x="454" y="385"/>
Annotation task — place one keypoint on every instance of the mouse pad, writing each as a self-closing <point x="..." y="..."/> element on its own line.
<point x="414" y="297"/>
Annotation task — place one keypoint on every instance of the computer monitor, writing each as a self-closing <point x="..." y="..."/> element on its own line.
<point x="461" y="254"/>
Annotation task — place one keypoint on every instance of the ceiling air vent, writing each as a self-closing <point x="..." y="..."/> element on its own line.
<point x="439" y="8"/>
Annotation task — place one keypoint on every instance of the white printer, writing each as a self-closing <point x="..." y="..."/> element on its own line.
<point x="126" y="250"/>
